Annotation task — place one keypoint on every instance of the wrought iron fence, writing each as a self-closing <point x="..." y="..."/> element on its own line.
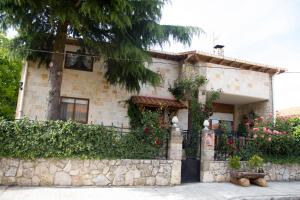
<point x="226" y="146"/>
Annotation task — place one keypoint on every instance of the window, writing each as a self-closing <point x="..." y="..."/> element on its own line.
<point x="74" y="109"/>
<point x="79" y="61"/>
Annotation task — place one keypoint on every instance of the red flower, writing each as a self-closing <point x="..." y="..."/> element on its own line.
<point x="230" y="141"/>
<point x="157" y="142"/>
<point x="146" y="130"/>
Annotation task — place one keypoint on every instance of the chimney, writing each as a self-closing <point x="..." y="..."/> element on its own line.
<point x="219" y="50"/>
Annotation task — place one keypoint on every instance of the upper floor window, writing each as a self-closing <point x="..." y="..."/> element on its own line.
<point x="79" y="61"/>
<point x="74" y="109"/>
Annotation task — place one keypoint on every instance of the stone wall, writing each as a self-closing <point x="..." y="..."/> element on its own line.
<point x="48" y="172"/>
<point x="239" y="82"/>
<point x="107" y="103"/>
<point x="218" y="171"/>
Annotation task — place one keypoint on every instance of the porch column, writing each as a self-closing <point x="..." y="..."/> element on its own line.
<point x="207" y="152"/>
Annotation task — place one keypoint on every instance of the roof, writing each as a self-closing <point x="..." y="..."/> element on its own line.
<point x="157" y="102"/>
<point x="289" y="112"/>
<point x="196" y="56"/>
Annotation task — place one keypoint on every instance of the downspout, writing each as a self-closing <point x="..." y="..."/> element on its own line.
<point x="273" y="99"/>
<point x="22" y="91"/>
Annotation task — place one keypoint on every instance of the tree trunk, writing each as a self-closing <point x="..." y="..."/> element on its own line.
<point x="56" y="68"/>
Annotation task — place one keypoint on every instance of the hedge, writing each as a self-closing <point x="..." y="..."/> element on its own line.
<point x="57" y="139"/>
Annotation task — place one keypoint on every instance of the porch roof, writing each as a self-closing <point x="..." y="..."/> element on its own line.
<point x="196" y="56"/>
<point x="157" y="102"/>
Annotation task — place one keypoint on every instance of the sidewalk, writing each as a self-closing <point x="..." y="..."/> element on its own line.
<point x="210" y="191"/>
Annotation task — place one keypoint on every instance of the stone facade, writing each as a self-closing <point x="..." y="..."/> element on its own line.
<point x="247" y="90"/>
<point x="49" y="172"/>
<point x="218" y="171"/>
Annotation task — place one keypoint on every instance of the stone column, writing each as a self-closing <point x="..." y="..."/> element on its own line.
<point x="175" y="152"/>
<point x="207" y="153"/>
<point x="175" y="145"/>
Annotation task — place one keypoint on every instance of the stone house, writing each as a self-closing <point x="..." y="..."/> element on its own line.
<point x="86" y="96"/>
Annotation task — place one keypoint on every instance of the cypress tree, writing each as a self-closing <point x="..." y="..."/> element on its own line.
<point x="120" y="30"/>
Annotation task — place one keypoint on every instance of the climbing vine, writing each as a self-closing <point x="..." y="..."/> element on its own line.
<point x="187" y="89"/>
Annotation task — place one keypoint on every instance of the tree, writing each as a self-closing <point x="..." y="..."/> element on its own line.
<point x="120" y="30"/>
<point x="9" y="80"/>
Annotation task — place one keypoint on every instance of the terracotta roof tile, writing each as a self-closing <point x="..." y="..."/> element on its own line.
<point x="157" y="102"/>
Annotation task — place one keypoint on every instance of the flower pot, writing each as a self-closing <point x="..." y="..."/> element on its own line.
<point x="249" y="175"/>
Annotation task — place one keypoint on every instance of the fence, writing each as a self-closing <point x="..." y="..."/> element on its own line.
<point x="226" y="146"/>
<point x="281" y="150"/>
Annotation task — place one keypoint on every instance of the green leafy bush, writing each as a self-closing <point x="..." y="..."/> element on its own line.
<point x="10" y="70"/>
<point x="255" y="162"/>
<point x="234" y="162"/>
<point x="56" y="139"/>
<point x="296" y="132"/>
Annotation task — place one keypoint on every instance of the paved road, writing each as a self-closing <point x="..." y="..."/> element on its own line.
<point x="210" y="191"/>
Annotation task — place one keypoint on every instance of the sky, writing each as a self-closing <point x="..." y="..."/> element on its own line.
<point x="263" y="31"/>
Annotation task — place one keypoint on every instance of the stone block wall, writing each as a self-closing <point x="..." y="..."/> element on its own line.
<point x="218" y="171"/>
<point x="107" y="103"/>
<point x="51" y="172"/>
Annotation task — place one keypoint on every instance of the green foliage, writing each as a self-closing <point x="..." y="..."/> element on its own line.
<point x="294" y="122"/>
<point x="234" y="162"/>
<point x="186" y="89"/>
<point x="10" y="69"/>
<point x="56" y="139"/>
<point x="150" y="131"/>
<point x="121" y="31"/>
<point x="282" y="124"/>
<point x="272" y="142"/>
<point x="296" y="132"/>
<point x="242" y="130"/>
<point x="134" y="114"/>
<point x="255" y="162"/>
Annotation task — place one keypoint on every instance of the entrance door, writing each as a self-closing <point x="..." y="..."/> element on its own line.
<point x="190" y="166"/>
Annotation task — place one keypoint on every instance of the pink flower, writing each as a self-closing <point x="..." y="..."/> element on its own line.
<point x="269" y="131"/>
<point x="276" y="132"/>
<point x="265" y="129"/>
<point x="255" y="129"/>
<point x="270" y="115"/>
<point x="284" y="132"/>
<point x="269" y="139"/>
<point x="254" y="136"/>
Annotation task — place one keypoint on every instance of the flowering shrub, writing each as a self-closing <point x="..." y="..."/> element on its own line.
<point x="150" y="131"/>
<point x="274" y="140"/>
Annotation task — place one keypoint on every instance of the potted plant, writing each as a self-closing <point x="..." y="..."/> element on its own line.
<point x="255" y="163"/>
<point x="257" y="175"/>
<point x="236" y="177"/>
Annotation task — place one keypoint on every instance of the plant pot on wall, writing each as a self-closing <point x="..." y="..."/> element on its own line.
<point x="255" y="175"/>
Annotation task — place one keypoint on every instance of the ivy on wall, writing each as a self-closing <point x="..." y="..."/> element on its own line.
<point x="57" y="139"/>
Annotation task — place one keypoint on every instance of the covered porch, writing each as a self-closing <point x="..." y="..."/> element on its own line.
<point x="235" y="110"/>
